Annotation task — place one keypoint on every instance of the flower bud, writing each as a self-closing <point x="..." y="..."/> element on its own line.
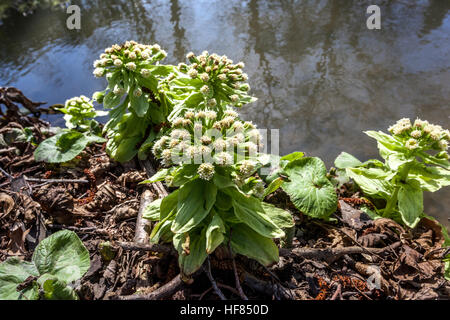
<point x="98" y="72"/>
<point x="193" y="73"/>
<point x="131" y="66"/>
<point x="137" y="92"/>
<point x="204" y="90"/>
<point x="212" y="102"/>
<point x="204" y="77"/>
<point x="145" y="73"/>
<point x="98" y="96"/>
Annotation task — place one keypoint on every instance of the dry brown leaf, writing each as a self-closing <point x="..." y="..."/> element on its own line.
<point x="17" y="235"/>
<point x="356" y="219"/>
<point x="6" y="204"/>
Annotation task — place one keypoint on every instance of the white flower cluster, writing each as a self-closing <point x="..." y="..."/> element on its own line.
<point x="128" y="55"/>
<point x="421" y="134"/>
<point x="79" y="106"/>
<point x="77" y="110"/>
<point x="200" y="138"/>
<point x="205" y="171"/>
<point x="212" y="69"/>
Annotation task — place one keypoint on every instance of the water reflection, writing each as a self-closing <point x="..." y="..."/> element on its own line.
<point x="320" y="75"/>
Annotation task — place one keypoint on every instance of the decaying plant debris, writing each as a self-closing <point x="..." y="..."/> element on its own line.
<point x="101" y="201"/>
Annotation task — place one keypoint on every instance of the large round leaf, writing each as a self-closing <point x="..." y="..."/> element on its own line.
<point x="14" y="272"/>
<point x="62" y="255"/>
<point x="309" y="188"/>
<point x="62" y="147"/>
<point x="55" y="289"/>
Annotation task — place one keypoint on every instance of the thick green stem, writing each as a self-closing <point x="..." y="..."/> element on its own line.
<point x="392" y="202"/>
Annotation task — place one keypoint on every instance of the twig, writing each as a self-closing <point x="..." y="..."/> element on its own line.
<point x="220" y="285"/>
<point x="331" y="254"/>
<point x="211" y="279"/>
<point x="163" y="292"/>
<point x="6" y="174"/>
<point x="337" y="293"/>
<point x="345" y="233"/>
<point x="146" y="247"/>
<point x="55" y="180"/>
<point x="141" y="234"/>
<point x="7" y="150"/>
<point x="79" y="230"/>
<point x="158" y="186"/>
<point x="356" y="287"/>
<point x="236" y="276"/>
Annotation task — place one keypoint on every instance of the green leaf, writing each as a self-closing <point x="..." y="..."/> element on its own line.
<point x="282" y="218"/>
<point x="111" y="100"/>
<point x="223" y="201"/>
<point x="157" y="229"/>
<point x="250" y="211"/>
<point x="309" y="188"/>
<point x="427" y="158"/>
<point x="152" y="211"/>
<point x="161" y="70"/>
<point x="162" y="232"/>
<point x="159" y="176"/>
<point x="55" y="289"/>
<point x="410" y="203"/>
<point x="144" y="149"/>
<point x="62" y="255"/>
<point x="222" y="179"/>
<point x="273" y="186"/>
<point x="125" y="150"/>
<point x="150" y="83"/>
<point x="62" y="147"/>
<point x="195" y="200"/>
<point x="373" y="183"/>
<point x="92" y="138"/>
<point x="193" y="100"/>
<point x="345" y="160"/>
<point x="430" y="178"/>
<point x="395" y="160"/>
<point x="189" y="263"/>
<point x="169" y="204"/>
<point x="13" y="272"/>
<point x="249" y="243"/>
<point x="116" y="115"/>
<point x="214" y="234"/>
<point x="386" y="140"/>
<point x="293" y="156"/>
<point x="139" y="104"/>
<point x="184" y="174"/>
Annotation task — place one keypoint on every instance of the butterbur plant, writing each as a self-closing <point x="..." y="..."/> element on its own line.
<point x="81" y="130"/>
<point x="209" y="81"/>
<point x="57" y="261"/>
<point x="212" y="162"/>
<point x="78" y="113"/>
<point x="415" y="160"/>
<point x="132" y="94"/>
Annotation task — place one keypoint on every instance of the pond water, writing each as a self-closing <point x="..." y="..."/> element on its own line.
<point x="320" y="75"/>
